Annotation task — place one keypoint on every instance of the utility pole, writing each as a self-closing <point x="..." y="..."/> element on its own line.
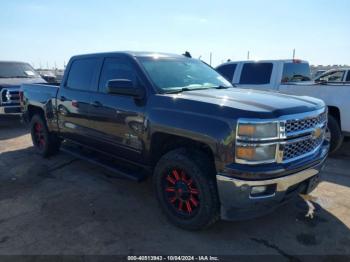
<point x="293" y="53"/>
<point x="211" y="56"/>
<point x="248" y="55"/>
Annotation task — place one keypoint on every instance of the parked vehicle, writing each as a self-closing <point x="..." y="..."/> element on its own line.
<point x="53" y="76"/>
<point x="335" y="76"/>
<point x="48" y="75"/>
<point x="12" y="75"/>
<point x="214" y="151"/>
<point x="318" y="73"/>
<point x="293" y="77"/>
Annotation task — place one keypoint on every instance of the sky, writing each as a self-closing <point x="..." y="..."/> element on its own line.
<point x="48" y="33"/>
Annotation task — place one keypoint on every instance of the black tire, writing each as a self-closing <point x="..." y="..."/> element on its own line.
<point x="336" y="135"/>
<point x="45" y="143"/>
<point x="197" y="177"/>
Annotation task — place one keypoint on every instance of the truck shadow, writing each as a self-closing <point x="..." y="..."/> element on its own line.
<point x="75" y="196"/>
<point x="12" y="128"/>
<point x="336" y="170"/>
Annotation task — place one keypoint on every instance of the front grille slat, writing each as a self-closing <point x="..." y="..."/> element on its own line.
<point x="293" y="126"/>
<point x="296" y="149"/>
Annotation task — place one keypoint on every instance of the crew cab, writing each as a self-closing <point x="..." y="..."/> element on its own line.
<point x="293" y="77"/>
<point x="212" y="150"/>
<point x="12" y="75"/>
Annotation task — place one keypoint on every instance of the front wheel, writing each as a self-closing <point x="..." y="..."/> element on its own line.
<point x="186" y="189"/>
<point x="334" y="134"/>
<point x="45" y="143"/>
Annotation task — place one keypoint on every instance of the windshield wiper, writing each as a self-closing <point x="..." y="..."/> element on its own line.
<point x="175" y="91"/>
<point x="221" y="87"/>
<point x="183" y="89"/>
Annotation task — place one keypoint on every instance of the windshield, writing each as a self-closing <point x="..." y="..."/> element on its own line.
<point x="296" y="72"/>
<point x="17" y="70"/>
<point x="182" y="74"/>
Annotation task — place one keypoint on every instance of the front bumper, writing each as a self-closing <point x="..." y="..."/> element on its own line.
<point x="237" y="201"/>
<point x="10" y="110"/>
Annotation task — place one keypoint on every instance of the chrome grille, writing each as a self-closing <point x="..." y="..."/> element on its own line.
<point x="9" y="96"/>
<point x="294" y="125"/>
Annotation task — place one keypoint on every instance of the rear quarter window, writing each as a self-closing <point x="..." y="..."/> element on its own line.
<point x="256" y="73"/>
<point x="227" y="71"/>
<point x="81" y="74"/>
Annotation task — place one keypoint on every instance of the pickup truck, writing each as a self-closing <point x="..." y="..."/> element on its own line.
<point x="212" y="150"/>
<point x="293" y="77"/>
<point x="12" y="75"/>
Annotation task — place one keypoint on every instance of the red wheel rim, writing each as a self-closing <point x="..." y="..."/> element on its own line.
<point x="39" y="138"/>
<point x="181" y="192"/>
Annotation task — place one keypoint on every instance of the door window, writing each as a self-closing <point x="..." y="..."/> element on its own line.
<point x="116" y="68"/>
<point x="336" y="76"/>
<point x="81" y="74"/>
<point x="227" y="71"/>
<point x="256" y="74"/>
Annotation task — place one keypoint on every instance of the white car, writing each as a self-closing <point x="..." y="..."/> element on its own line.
<point x="293" y="77"/>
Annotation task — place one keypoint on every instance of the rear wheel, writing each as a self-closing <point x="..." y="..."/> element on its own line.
<point x="334" y="134"/>
<point x="186" y="189"/>
<point x="44" y="142"/>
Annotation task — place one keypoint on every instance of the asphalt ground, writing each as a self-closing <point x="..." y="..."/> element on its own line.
<point x="66" y="206"/>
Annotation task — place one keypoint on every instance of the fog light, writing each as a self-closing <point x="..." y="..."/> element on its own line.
<point x="257" y="190"/>
<point x="263" y="191"/>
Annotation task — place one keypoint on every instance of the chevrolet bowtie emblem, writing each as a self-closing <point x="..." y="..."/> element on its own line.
<point x="317" y="133"/>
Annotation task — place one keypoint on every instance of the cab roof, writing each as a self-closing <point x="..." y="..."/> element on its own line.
<point x="299" y="61"/>
<point x="136" y="54"/>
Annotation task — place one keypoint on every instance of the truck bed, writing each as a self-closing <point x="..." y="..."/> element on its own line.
<point x="39" y="93"/>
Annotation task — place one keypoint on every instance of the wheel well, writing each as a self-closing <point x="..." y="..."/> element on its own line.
<point x="163" y="143"/>
<point x="33" y="110"/>
<point x="335" y="112"/>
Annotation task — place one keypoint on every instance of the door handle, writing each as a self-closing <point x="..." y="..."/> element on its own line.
<point x="96" y="104"/>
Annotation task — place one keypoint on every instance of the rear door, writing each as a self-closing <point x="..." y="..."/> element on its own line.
<point x="74" y="99"/>
<point x="118" y="120"/>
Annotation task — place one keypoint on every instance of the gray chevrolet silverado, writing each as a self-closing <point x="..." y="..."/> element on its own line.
<point x="213" y="150"/>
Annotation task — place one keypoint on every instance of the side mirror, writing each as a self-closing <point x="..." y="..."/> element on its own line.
<point x="124" y="87"/>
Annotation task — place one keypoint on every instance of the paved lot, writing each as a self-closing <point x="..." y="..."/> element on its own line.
<point x="67" y="206"/>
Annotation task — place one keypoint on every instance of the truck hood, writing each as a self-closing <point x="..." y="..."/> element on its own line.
<point x="16" y="82"/>
<point x="252" y="102"/>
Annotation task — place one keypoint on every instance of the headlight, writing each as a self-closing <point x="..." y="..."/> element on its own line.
<point x="255" y="153"/>
<point x="257" y="131"/>
<point x="255" y="143"/>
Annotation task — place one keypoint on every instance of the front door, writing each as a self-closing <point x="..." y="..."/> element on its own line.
<point x="118" y="120"/>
